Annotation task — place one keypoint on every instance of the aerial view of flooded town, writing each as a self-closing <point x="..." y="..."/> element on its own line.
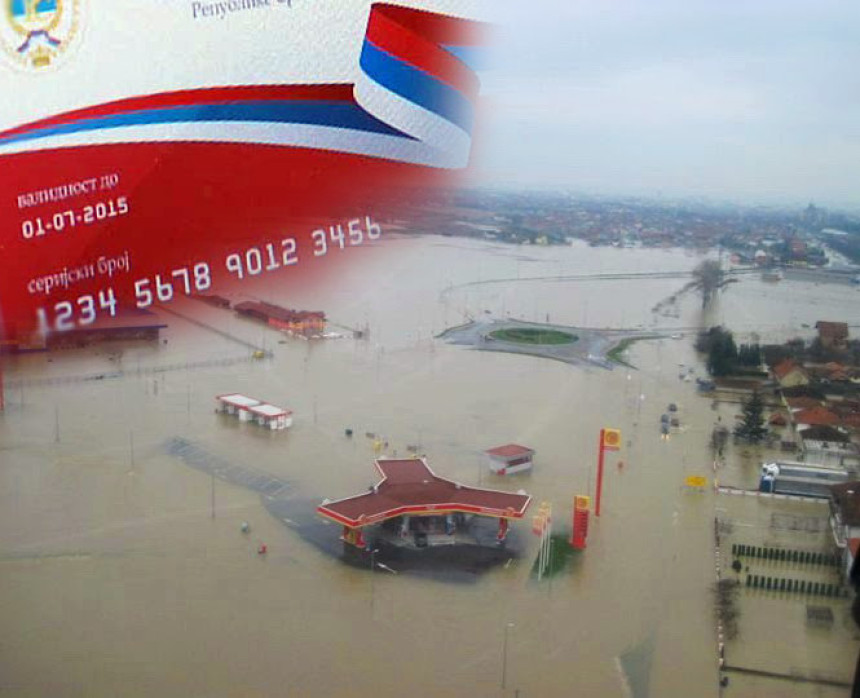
<point x="577" y="415"/>
<point x="386" y="490"/>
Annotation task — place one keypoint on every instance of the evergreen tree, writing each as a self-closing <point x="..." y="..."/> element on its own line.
<point x="723" y="353"/>
<point x="752" y="427"/>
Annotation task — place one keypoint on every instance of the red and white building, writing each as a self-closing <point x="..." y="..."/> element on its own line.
<point x="510" y="459"/>
<point x="249" y="409"/>
<point x="304" y="322"/>
<point x="272" y="416"/>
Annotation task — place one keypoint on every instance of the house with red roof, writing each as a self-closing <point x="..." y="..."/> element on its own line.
<point x="802" y="403"/>
<point x="815" y="417"/>
<point x="789" y="374"/>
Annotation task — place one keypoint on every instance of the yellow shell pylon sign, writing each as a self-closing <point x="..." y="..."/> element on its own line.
<point x="611" y="439"/>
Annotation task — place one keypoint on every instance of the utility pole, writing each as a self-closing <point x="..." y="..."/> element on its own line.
<point x="372" y="575"/>
<point x="508" y="626"/>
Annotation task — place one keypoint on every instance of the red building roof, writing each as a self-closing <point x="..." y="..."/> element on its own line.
<point x="816" y="416"/>
<point x="802" y="403"/>
<point x="782" y="369"/>
<point x="510" y="451"/>
<point x="408" y="486"/>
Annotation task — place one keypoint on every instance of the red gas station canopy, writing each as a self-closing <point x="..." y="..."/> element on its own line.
<point x="408" y="486"/>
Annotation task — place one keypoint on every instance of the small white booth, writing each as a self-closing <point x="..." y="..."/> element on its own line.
<point x="510" y="459"/>
<point x="272" y="416"/>
<point x="237" y="405"/>
<point x="249" y="409"/>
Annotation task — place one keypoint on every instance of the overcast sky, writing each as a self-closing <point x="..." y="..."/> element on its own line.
<point x="748" y="100"/>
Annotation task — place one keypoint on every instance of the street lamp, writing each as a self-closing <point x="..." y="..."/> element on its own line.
<point x="508" y="626"/>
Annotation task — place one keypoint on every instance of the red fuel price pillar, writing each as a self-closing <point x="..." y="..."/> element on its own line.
<point x="581" y="505"/>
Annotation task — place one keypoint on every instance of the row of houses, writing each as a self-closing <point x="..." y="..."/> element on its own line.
<point x="791" y="374"/>
<point x="817" y="405"/>
<point x="827" y="436"/>
<point x="826" y="431"/>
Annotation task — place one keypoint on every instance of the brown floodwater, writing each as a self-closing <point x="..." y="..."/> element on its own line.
<point x="116" y="579"/>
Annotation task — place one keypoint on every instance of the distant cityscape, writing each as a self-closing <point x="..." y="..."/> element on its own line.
<point x="762" y="236"/>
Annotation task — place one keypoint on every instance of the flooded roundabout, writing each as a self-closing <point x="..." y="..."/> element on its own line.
<point x="573" y="345"/>
<point x="133" y="514"/>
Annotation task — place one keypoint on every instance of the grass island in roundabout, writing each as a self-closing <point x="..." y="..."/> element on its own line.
<point x="532" y="335"/>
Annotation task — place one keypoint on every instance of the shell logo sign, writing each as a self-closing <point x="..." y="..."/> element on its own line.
<point x="611" y="439"/>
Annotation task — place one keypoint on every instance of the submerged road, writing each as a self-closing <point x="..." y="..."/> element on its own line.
<point x="608" y="276"/>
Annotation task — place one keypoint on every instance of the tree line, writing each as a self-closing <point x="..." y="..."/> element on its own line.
<point x="725" y="357"/>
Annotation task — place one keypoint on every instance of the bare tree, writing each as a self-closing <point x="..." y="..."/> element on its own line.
<point x="708" y="276"/>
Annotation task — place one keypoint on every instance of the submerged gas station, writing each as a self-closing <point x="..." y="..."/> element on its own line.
<point x="413" y="508"/>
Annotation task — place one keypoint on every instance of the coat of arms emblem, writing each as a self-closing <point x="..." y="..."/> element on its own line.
<point x="36" y="34"/>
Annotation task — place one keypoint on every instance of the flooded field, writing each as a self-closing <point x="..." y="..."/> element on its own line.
<point x="123" y="569"/>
